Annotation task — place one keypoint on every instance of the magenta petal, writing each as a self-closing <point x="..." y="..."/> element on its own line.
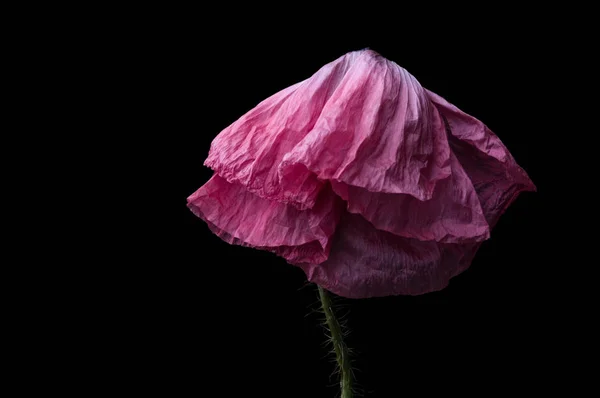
<point x="241" y="217"/>
<point x="452" y="215"/>
<point x="307" y="253"/>
<point x="496" y="176"/>
<point x="366" y="262"/>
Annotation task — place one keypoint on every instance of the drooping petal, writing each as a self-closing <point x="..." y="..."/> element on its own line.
<point x="493" y="171"/>
<point x="241" y="217"/>
<point x="307" y="253"/>
<point x="251" y="150"/>
<point x="378" y="131"/>
<point x="452" y="215"/>
<point x="367" y="262"/>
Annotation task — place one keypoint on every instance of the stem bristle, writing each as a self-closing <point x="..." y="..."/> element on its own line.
<point x="337" y="332"/>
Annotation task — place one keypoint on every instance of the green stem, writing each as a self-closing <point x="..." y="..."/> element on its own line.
<point x="341" y="351"/>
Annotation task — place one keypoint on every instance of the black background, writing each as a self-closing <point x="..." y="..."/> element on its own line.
<point x="210" y="319"/>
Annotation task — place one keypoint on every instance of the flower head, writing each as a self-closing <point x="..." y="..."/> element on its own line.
<point x="369" y="182"/>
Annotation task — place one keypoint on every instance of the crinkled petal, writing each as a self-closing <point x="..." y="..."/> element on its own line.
<point x="251" y="150"/>
<point x="367" y="262"/>
<point x="493" y="171"/>
<point x="361" y="120"/>
<point x="378" y="131"/>
<point x="452" y="215"/>
<point x="241" y="217"/>
<point x="307" y="253"/>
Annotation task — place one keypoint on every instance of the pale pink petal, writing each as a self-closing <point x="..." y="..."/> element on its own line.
<point x="251" y="150"/>
<point x="378" y="131"/>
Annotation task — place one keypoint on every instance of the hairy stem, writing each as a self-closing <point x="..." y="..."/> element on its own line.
<point x="341" y="351"/>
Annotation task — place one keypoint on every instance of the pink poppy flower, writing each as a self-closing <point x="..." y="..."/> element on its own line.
<point x="369" y="182"/>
